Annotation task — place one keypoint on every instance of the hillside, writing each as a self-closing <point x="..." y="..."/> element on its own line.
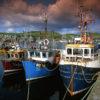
<point x="50" y="35"/>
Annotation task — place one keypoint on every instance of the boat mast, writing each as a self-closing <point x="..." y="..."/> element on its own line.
<point x="45" y="23"/>
<point x="85" y="19"/>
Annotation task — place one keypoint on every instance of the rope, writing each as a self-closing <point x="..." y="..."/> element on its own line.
<point x="52" y="65"/>
<point x="69" y="83"/>
<point x="88" y="91"/>
<point x="86" y="80"/>
<point x="65" y="92"/>
<point x="28" y="91"/>
<point x="50" y="70"/>
<point x="72" y="78"/>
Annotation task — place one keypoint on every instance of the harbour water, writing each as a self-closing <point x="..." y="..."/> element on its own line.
<point x="50" y="88"/>
<point x="41" y="89"/>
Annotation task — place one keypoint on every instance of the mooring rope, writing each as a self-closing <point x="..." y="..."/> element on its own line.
<point x="57" y="64"/>
<point x="50" y="70"/>
<point x="88" y="91"/>
<point x="28" y="87"/>
<point x="86" y="80"/>
<point x="64" y="97"/>
<point x="28" y="91"/>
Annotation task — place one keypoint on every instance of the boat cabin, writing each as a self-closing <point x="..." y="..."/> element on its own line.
<point x="40" y="55"/>
<point x="12" y="55"/>
<point x="74" y="52"/>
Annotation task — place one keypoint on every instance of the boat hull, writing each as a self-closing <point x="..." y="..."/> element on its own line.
<point x="77" y="78"/>
<point x="36" y="70"/>
<point x="11" y="67"/>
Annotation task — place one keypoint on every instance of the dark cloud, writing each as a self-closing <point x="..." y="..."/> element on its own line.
<point x="44" y="2"/>
<point x="61" y="13"/>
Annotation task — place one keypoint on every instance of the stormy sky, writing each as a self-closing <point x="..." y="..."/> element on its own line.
<point x="27" y="15"/>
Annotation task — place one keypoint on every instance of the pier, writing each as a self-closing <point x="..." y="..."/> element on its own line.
<point x="95" y="92"/>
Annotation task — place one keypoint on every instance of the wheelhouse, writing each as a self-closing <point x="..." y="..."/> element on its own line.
<point x="12" y="55"/>
<point x="79" y="51"/>
<point x="41" y="55"/>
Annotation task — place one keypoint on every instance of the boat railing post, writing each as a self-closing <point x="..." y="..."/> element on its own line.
<point x="98" y="53"/>
<point x="94" y="56"/>
<point x="69" y="58"/>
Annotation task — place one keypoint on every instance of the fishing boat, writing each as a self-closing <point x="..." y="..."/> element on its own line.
<point x="12" y="67"/>
<point x="11" y="61"/>
<point x="80" y="60"/>
<point x="10" y="56"/>
<point x="40" y="61"/>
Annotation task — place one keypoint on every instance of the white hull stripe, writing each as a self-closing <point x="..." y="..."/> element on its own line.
<point x="74" y="93"/>
<point x="30" y="79"/>
<point x="13" y="70"/>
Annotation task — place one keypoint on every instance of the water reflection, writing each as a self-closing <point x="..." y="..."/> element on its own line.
<point x="50" y="88"/>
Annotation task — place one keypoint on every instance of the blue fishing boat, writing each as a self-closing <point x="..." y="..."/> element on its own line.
<point x="41" y="60"/>
<point x="39" y="63"/>
<point x="80" y="60"/>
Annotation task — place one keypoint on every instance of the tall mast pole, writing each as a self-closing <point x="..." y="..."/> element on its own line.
<point x="84" y="21"/>
<point x="45" y="22"/>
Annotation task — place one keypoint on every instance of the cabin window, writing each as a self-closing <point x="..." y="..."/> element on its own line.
<point x="44" y="55"/>
<point x="69" y="51"/>
<point x="95" y="50"/>
<point x="86" y="51"/>
<point x="50" y="54"/>
<point x="77" y="51"/>
<point x="31" y="53"/>
<point x="8" y="55"/>
<point x="12" y="55"/>
<point x="37" y="54"/>
<point x="2" y="56"/>
<point x="92" y="51"/>
<point x="16" y="55"/>
<point x="21" y="55"/>
<point x="25" y="54"/>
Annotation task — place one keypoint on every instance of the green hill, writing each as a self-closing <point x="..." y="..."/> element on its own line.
<point x="50" y="35"/>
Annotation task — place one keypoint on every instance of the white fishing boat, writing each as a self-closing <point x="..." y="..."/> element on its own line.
<point x="80" y="60"/>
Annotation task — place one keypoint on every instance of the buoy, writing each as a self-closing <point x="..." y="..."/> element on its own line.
<point x="46" y="42"/>
<point x="57" y="58"/>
